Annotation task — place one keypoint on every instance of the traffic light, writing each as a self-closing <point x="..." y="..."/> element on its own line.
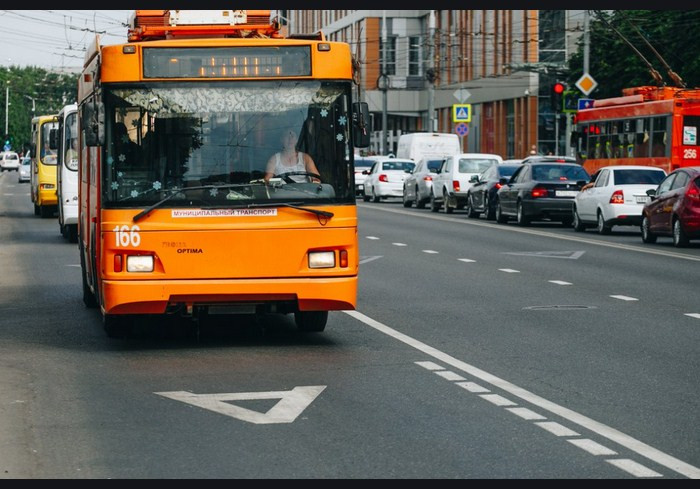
<point x="557" y="95"/>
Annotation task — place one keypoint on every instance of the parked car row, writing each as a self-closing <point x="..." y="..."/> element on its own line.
<point x="547" y="188"/>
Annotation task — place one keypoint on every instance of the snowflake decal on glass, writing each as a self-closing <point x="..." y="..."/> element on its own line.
<point x="120" y="174"/>
<point x="342" y="120"/>
<point x="324" y="112"/>
<point x="122" y="158"/>
<point x="157" y="185"/>
<point x="110" y="160"/>
<point x="339" y="137"/>
<point x="213" y="192"/>
<point x="125" y="139"/>
<point x="115" y="185"/>
<point x="134" y="193"/>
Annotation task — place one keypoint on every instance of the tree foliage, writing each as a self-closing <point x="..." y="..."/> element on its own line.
<point x="615" y="65"/>
<point x="33" y="88"/>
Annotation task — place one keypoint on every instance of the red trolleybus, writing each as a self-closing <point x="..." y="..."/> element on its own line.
<point x="655" y="126"/>
<point x="178" y="213"/>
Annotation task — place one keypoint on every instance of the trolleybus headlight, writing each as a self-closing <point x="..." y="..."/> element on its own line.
<point x="321" y="259"/>
<point x="139" y="263"/>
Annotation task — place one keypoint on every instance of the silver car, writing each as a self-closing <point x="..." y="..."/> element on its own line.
<point x="9" y="161"/>
<point x="416" y="187"/>
<point x="25" y="167"/>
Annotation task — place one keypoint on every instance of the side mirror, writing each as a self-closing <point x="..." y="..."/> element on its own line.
<point x="651" y="193"/>
<point x="365" y="172"/>
<point x="503" y="181"/>
<point x="581" y="183"/>
<point x="93" y="123"/>
<point x="360" y="124"/>
<point x="474" y="179"/>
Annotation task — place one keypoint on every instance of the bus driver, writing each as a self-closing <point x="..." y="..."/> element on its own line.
<point x="290" y="160"/>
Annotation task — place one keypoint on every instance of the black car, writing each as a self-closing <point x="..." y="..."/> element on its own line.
<point x="540" y="191"/>
<point x="482" y="195"/>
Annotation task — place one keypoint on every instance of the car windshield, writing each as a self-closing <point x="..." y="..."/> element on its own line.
<point x="434" y="165"/>
<point x="218" y="137"/>
<point x="363" y="163"/>
<point x="507" y="170"/>
<point x="475" y="165"/>
<point x="557" y="173"/>
<point x="398" y="165"/>
<point x="638" y="177"/>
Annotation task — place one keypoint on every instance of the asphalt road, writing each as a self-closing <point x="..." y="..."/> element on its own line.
<point x="477" y="351"/>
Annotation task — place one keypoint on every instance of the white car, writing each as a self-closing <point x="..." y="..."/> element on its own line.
<point x="417" y="186"/>
<point x="615" y="197"/>
<point x="25" y="167"/>
<point x="385" y="178"/>
<point x="452" y="182"/>
<point x="9" y="161"/>
<point x="362" y="163"/>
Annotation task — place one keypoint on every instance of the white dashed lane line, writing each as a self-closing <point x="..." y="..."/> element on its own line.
<point x="508" y="270"/>
<point x="560" y="282"/>
<point x="432" y="252"/>
<point x="624" y="298"/>
<point x="695" y="315"/>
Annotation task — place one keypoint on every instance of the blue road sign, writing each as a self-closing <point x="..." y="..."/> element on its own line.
<point x="585" y="103"/>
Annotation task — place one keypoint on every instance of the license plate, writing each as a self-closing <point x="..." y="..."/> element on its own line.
<point x="566" y="193"/>
<point x="642" y="199"/>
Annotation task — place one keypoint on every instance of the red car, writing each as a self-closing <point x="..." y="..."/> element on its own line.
<point x="674" y="208"/>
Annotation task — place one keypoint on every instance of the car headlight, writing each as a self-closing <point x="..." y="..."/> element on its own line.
<point x="139" y="263"/>
<point x="321" y="259"/>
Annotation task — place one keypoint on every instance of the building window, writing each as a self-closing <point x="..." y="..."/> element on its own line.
<point x="414" y="55"/>
<point x="390" y="68"/>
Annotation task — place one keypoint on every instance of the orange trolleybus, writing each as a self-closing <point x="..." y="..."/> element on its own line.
<point x="655" y="126"/>
<point x="177" y="214"/>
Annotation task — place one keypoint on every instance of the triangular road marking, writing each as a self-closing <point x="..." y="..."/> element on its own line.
<point x="570" y="255"/>
<point x="290" y="405"/>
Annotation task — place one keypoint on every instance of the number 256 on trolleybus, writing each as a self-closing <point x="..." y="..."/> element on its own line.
<point x="655" y="126"/>
<point x="177" y="214"/>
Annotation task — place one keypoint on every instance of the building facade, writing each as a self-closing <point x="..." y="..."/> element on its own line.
<point x="416" y="65"/>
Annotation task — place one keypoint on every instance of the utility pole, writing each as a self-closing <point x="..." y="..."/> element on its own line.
<point x="430" y="75"/>
<point x="7" y="102"/>
<point x="384" y="87"/>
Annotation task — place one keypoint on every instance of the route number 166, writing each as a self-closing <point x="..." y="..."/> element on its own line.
<point x="125" y="236"/>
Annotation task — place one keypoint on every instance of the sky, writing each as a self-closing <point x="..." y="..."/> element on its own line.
<point x="57" y="39"/>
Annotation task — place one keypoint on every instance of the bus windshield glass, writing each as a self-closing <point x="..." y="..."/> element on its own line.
<point x="221" y="144"/>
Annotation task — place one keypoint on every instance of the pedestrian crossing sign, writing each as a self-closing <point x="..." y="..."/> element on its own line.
<point x="462" y="113"/>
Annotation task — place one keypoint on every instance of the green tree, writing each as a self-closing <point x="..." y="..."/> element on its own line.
<point x="32" y="88"/>
<point x="615" y="65"/>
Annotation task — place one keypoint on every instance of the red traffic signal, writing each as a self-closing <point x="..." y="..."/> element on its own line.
<point x="558" y="88"/>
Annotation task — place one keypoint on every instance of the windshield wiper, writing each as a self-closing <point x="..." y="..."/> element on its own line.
<point x="176" y="191"/>
<point x="293" y="205"/>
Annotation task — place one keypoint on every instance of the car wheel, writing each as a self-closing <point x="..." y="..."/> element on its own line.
<point x="500" y="218"/>
<point x="420" y="203"/>
<point x="406" y="201"/>
<point x="521" y="218"/>
<point x="434" y="204"/>
<point x="311" y="321"/>
<point x="446" y="203"/>
<point x="578" y="225"/>
<point x="489" y="209"/>
<point x="375" y="197"/>
<point x="365" y="197"/>
<point x="470" y="208"/>
<point x="680" y="239"/>
<point x="647" y="235"/>
<point x="603" y="228"/>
